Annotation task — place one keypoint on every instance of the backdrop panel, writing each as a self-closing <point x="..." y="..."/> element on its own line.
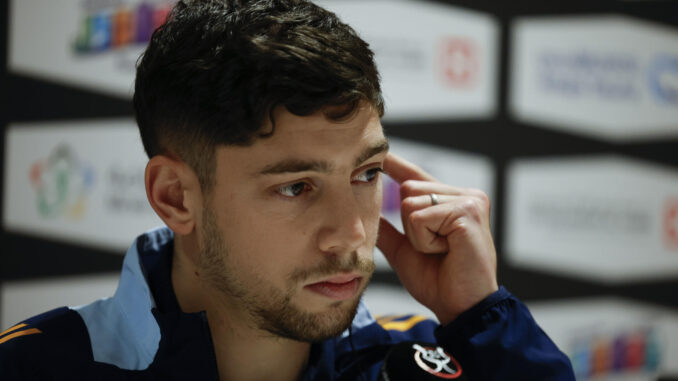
<point x="80" y="182"/>
<point x="610" y="77"/>
<point x="605" y="218"/>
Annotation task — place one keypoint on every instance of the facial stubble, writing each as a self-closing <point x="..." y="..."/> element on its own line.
<point x="271" y="308"/>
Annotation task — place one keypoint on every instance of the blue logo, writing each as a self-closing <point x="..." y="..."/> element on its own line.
<point x="662" y="78"/>
<point x="589" y="74"/>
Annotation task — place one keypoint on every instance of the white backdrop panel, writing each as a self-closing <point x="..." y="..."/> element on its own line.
<point x="605" y="218"/>
<point x="611" y="339"/>
<point x="80" y="182"/>
<point x="436" y="61"/>
<point x="611" y="77"/>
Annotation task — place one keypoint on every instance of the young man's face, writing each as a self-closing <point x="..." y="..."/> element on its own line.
<point x="289" y="231"/>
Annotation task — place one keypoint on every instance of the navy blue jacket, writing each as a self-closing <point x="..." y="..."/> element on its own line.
<point x="141" y="334"/>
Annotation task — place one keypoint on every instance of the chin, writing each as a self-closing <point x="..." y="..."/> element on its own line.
<point x="299" y="325"/>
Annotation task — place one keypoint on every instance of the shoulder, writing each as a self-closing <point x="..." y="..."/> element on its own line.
<point x="45" y="341"/>
<point x="389" y="329"/>
<point x="393" y="329"/>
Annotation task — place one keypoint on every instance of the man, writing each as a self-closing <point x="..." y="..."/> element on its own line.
<point x="261" y="120"/>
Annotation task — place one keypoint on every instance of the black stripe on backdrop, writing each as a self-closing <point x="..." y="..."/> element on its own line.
<point x="4" y="94"/>
<point x="35" y="100"/>
<point x="499" y="138"/>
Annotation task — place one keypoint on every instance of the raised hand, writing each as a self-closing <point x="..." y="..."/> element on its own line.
<point x="446" y="259"/>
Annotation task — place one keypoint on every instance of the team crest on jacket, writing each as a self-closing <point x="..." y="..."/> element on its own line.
<point x="411" y="360"/>
<point x="436" y="361"/>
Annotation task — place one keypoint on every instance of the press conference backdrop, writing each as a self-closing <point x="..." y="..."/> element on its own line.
<point x="565" y="113"/>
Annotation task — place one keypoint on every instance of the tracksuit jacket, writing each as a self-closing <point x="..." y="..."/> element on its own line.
<point x="140" y="333"/>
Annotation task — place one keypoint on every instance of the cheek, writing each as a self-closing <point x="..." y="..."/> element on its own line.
<point x="267" y="245"/>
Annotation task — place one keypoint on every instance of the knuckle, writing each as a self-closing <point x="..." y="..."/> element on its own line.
<point x="415" y="219"/>
<point x="459" y="226"/>
<point x="482" y="196"/>
<point x="408" y="204"/>
<point x="473" y="208"/>
<point x="408" y="188"/>
<point x="484" y="199"/>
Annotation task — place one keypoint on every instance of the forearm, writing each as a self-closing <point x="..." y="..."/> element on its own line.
<point x="498" y="339"/>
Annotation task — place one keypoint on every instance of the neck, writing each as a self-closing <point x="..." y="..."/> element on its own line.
<point x="243" y="351"/>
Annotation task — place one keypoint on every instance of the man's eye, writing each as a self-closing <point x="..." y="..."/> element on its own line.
<point x="368" y="175"/>
<point x="294" y="190"/>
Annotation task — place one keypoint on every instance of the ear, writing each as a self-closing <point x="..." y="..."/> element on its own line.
<point x="174" y="192"/>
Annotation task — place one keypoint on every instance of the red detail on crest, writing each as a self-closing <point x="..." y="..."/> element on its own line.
<point x="441" y="361"/>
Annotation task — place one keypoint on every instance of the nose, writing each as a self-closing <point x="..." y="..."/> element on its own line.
<point x="343" y="230"/>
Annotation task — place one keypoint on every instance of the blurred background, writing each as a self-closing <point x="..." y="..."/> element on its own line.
<point x="564" y="112"/>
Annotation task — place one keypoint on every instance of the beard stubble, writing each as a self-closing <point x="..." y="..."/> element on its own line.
<point x="271" y="308"/>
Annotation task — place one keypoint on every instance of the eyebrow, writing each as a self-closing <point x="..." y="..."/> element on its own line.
<point x="297" y="165"/>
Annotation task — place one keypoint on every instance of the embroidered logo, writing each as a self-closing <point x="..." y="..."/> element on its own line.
<point x="436" y="361"/>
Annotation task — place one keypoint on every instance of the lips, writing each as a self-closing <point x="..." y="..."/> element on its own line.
<point x="338" y="287"/>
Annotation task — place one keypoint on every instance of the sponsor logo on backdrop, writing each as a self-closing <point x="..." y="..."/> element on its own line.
<point x="601" y="355"/>
<point x="62" y="183"/>
<point x="76" y="183"/>
<point x="459" y="63"/>
<point x="615" y="77"/>
<point x="603" y="215"/>
<point x="663" y="79"/>
<point x="399" y="54"/>
<point x="589" y="213"/>
<point x="609" y="76"/>
<point x="671" y="224"/>
<point x="126" y="190"/>
<point x="113" y="24"/>
<point x="591" y="217"/>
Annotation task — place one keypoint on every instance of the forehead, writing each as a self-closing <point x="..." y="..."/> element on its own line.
<point x="313" y="137"/>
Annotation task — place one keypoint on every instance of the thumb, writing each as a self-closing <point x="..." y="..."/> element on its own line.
<point x="390" y="240"/>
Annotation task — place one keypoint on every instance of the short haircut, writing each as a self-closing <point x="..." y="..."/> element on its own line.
<point x="217" y="68"/>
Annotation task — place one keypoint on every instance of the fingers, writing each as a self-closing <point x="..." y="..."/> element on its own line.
<point x="402" y="170"/>
<point x="412" y="188"/>
<point x="428" y="226"/>
<point x="424" y="227"/>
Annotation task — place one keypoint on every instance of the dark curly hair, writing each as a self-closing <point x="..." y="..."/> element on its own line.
<point x="217" y="68"/>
